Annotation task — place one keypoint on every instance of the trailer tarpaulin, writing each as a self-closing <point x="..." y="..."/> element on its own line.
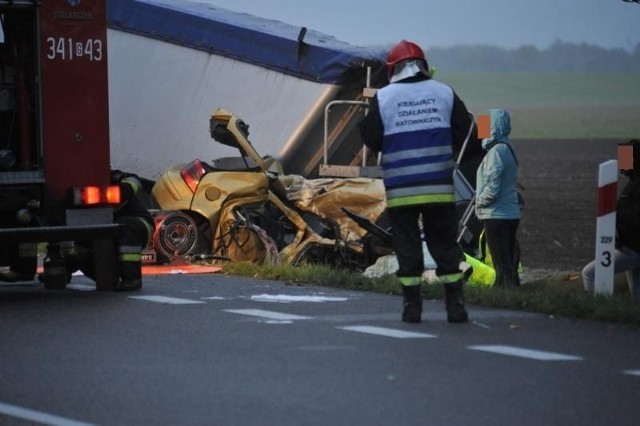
<point x="271" y="44"/>
<point x="173" y="62"/>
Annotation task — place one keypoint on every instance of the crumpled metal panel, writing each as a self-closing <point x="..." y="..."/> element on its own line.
<point x="327" y="197"/>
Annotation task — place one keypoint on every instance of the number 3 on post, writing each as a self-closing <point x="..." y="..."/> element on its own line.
<point x="606" y="227"/>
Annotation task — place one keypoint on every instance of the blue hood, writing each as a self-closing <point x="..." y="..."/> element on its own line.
<point x="500" y="127"/>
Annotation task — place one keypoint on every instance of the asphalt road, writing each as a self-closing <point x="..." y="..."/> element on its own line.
<point x="222" y="350"/>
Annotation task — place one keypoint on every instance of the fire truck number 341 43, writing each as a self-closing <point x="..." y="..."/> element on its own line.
<point x="67" y="49"/>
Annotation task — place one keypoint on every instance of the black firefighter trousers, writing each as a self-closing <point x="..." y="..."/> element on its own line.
<point x="440" y="226"/>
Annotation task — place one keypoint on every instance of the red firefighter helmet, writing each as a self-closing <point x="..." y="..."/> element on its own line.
<point x="403" y="51"/>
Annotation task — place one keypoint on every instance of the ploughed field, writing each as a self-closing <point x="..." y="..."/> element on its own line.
<point x="560" y="179"/>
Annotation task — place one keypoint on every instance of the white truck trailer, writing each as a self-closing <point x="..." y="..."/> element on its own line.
<point x="173" y="62"/>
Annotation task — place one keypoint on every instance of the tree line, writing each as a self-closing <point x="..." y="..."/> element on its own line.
<point x="558" y="57"/>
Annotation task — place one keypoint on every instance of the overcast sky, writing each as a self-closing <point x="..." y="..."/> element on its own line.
<point x="444" y="23"/>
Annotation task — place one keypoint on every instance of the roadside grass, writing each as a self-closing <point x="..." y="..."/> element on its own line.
<point x="556" y="296"/>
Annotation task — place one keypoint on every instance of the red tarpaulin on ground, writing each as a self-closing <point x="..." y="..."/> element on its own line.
<point x="174" y="269"/>
<point x="179" y="269"/>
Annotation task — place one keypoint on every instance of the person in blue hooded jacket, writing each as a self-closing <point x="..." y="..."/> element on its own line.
<point x="497" y="205"/>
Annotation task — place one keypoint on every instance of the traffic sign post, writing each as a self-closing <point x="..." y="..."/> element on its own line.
<point x="606" y="227"/>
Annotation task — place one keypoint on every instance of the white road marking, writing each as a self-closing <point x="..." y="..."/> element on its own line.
<point x="81" y="287"/>
<point x="37" y="416"/>
<point x="327" y="348"/>
<point x="286" y="298"/>
<point x="479" y="324"/>
<point x="525" y="353"/>
<point x="167" y="300"/>
<point x="387" y="332"/>
<point x="632" y="372"/>
<point x="267" y="314"/>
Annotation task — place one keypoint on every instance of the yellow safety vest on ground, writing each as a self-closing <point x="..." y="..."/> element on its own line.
<point x="482" y="275"/>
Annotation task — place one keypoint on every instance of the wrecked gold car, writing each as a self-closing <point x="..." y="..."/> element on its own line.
<point x="246" y="208"/>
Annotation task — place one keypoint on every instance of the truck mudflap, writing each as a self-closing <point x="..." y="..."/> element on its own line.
<point x="103" y="239"/>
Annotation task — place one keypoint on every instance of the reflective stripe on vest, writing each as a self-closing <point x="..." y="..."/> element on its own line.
<point x="413" y="195"/>
<point x="421" y="199"/>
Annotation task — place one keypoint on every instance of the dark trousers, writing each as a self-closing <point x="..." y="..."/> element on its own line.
<point x="134" y="236"/>
<point x="440" y="224"/>
<point x="505" y="254"/>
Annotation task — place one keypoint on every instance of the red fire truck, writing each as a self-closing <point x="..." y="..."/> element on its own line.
<point x="54" y="130"/>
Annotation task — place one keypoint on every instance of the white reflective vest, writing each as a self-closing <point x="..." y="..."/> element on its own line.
<point x="417" y="156"/>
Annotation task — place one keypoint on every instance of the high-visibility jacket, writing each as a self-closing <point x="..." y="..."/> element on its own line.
<point x="417" y="154"/>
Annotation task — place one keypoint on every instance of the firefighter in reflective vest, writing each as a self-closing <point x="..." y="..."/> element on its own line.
<point x="136" y="230"/>
<point x="416" y="123"/>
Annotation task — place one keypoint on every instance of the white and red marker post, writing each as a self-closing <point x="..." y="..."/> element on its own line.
<point x="606" y="227"/>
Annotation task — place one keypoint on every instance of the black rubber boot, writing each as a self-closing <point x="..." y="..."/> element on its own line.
<point x="454" y="301"/>
<point x="412" y="311"/>
<point x="130" y="284"/>
<point x="130" y="276"/>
